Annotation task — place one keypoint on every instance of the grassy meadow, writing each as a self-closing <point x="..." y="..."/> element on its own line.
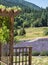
<point x="32" y="33"/>
<point x="38" y="60"/>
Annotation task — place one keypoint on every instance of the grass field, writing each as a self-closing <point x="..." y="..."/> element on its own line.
<point x="32" y="33"/>
<point x="38" y="60"/>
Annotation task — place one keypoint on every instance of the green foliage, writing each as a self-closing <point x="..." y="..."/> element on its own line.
<point x="46" y="31"/>
<point x="33" y="19"/>
<point x="1" y="35"/>
<point x="35" y="53"/>
<point x="27" y="19"/>
<point x="15" y="25"/>
<point x="26" y="24"/>
<point x="4" y="34"/>
<point x="37" y="23"/>
<point x="10" y="8"/>
<point x="1" y="20"/>
<point x="44" y="53"/>
<point x="15" y="32"/>
<point x="44" y="18"/>
<point x="4" y="31"/>
<point x="6" y="21"/>
<point x="16" y="8"/>
<point x="2" y="7"/>
<point x="22" y="31"/>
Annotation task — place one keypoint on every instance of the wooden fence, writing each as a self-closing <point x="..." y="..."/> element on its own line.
<point x="21" y="56"/>
<point x="5" y="54"/>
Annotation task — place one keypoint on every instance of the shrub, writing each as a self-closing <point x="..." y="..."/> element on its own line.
<point x="15" y="33"/>
<point x="35" y="53"/>
<point x="44" y="53"/>
<point x="26" y="24"/>
<point x="22" y="31"/>
<point x="46" y="31"/>
<point x="37" y="23"/>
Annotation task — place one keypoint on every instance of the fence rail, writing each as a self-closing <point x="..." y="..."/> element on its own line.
<point x="21" y="56"/>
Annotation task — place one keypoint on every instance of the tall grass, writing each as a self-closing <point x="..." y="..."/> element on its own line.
<point x="32" y="33"/>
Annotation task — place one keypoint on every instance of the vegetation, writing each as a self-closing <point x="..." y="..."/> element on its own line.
<point x="44" y="53"/>
<point x="22" y="32"/>
<point x="4" y="36"/>
<point x="15" y="32"/>
<point x="41" y="60"/>
<point x="10" y="8"/>
<point x="35" y="53"/>
<point x="32" y="33"/>
<point x="46" y="31"/>
<point x="22" y="3"/>
<point x="33" y="18"/>
<point x="29" y="20"/>
<point x="5" y="24"/>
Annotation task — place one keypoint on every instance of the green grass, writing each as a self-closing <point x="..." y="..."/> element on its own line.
<point x="32" y="33"/>
<point x="38" y="60"/>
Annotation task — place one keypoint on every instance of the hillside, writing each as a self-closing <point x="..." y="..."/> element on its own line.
<point x="21" y="3"/>
<point x="33" y="33"/>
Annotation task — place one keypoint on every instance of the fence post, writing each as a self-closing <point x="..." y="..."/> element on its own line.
<point x="0" y="51"/>
<point x="0" y="41"/>
<point x="30" y="55"/>
<point x="11" y="40"/>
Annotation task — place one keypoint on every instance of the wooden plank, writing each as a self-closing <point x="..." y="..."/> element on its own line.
<point x="11" y="39"/>
<point x="0" y="51"/>
<point x="30" y="55"/>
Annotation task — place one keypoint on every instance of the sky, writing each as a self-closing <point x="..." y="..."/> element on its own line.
<point x="40" y="3"/>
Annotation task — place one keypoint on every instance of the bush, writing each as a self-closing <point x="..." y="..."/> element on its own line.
<point x="18" y="27"/>
<point x="15" y="33"/>
<point x="46" y="32"/>
<point x="37" y="23"/>
<point x="35" y="53"/>
<point x="26" y="24"/>
<point x="22" y="31"/>
<point x="44" y="53"/>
